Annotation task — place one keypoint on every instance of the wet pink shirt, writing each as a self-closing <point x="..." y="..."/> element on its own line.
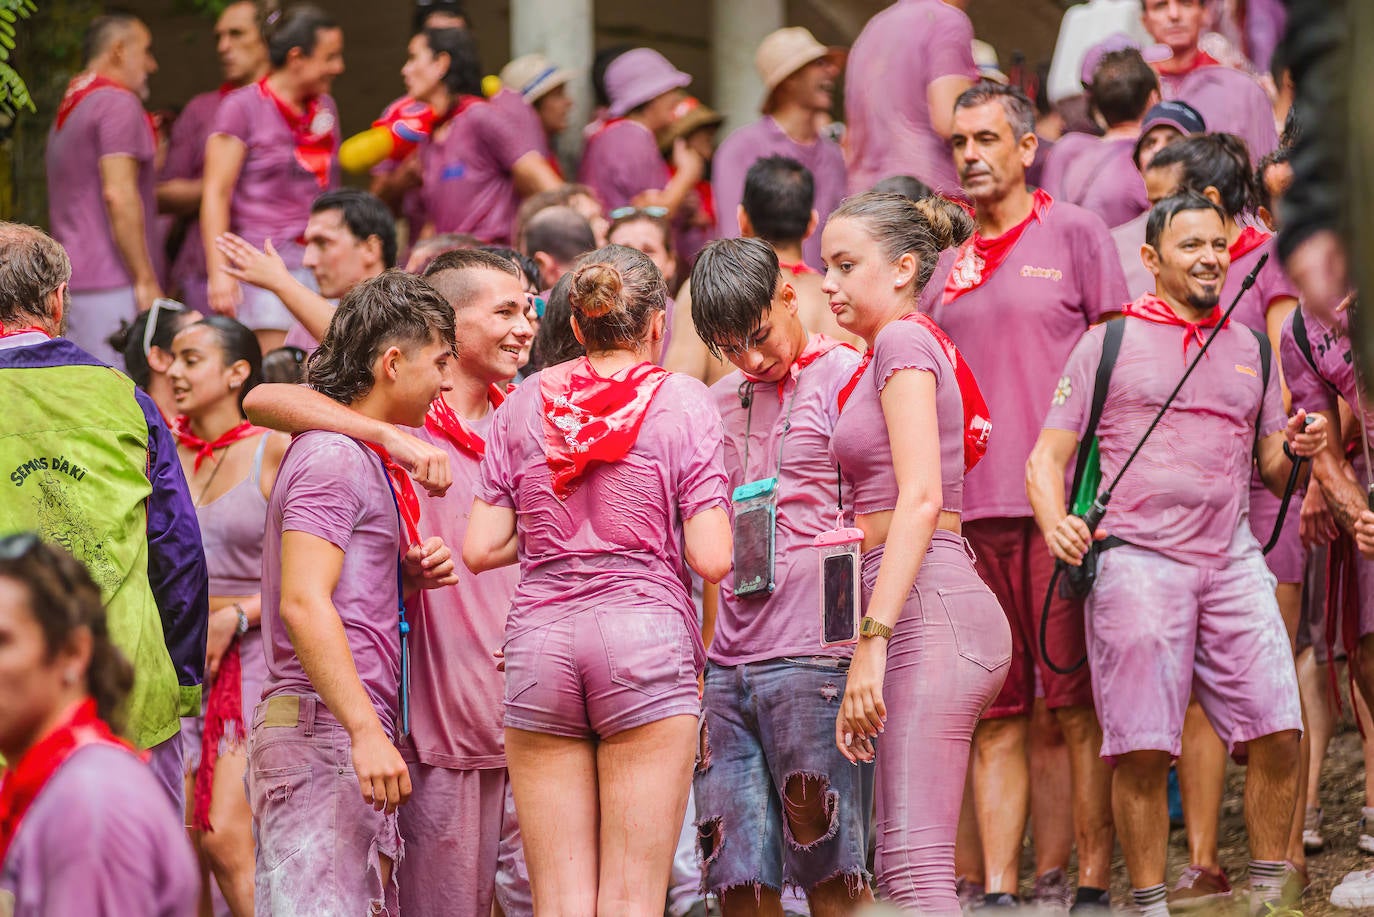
<point x="1105" y="181"/>
<point x="1016" y="331"/>
<point x="1230" y="102"/>
<point x="1189" y="488"/>
<point x="108" y="122"/>
<point x="759" y="140"/>
<point x="900" y="52"/>
<point x="274" y="192"/>
<point x="618" y="538"/>
<point x="456" y="694"/>
<point x="468" y="186"/>
<point x="1065" y="151"/>
<point x="186" y="159"/>
<point x="1271" y="286"/>
<point x="860" y="443"/>
<point x="1334" y="377"/>
<point x="334" y="488"/>
<point x="622" y="161"/>
<point x="1128" y="238"/>
<point x="100" y="840"/>
<point x="785" y="623"/>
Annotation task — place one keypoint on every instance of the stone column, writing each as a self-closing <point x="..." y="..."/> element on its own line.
<point x="562" y="31"/>
<point x="737" y="27"/>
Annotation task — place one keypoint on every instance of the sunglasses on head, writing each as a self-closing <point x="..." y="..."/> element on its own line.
<point x="18" y="546"/>
<point x="621" y="213"/>
<point x="160" y="305"/>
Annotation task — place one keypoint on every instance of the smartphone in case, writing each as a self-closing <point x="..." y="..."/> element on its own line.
<point x="756" y="511"/>
<point x="840" y="604"/>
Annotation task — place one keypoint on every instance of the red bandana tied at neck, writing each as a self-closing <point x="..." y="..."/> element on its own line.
<point x="798" y="268"/>
<point x="977" y="419"/>
<point x="82" y="85"/>
<point x="404" y="491"/>
<point x="1200" y="60"/>
<point x="1249" y="239"/>
<point x="15" y="332"/>
<point x="980" y="258"/>
<point x="181" y="427"/>
<point x="314" y="131"/>
<point x="24" y="779"/>
<point x="1153" y="309"/>
<point x="591" y="419"/>
<point x="442" y="420"/>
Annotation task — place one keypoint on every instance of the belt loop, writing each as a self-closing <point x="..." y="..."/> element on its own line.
<point x="308" y="715"/>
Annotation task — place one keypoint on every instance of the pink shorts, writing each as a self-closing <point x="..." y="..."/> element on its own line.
<point x="601" y="671"/>
<point x="1286" y="560"/>
<point x="1159" y="629"/>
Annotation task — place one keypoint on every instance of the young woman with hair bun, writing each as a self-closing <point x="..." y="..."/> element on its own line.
<point x="602" y="476"/>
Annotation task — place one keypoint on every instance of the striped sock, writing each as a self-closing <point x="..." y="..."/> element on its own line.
<point x="1267" y="878"/>
<point x="1152" y="901"/>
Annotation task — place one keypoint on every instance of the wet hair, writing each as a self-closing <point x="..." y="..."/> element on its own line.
<point x="614" y="294"/>
<point x="1020" y="111"/>
<point x="32" y="265"/>
<point x="391" y="309"/>
<point x="464" y="74"/>
<point x="128" y="340"/>
<point x="562" y="196"/>
<point x="103" y="31"/>
<point x="297" y="26"/>
<point x="1122" y="86"/>
<point x="1163" y="213"/>
<point x="236" y="342"/>
<point x="365" y="216"/>
<point x="285" y="364"/>
<point x="560" y="232"/>
<point x="908" y="186"/>
<point x="779" y="194"/>
<point x="63" y="599"/>
<point x="555" y="342"/>
<point x="434" y="246"/>
<point x="450" y="272"/>
<point x="1281" y="156"/>
<point x="1214" y="160"/>
<point x="733" y="284"/>
<point x="900" y="226"/>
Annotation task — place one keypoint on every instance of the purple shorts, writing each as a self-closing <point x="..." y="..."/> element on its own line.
<point x="1286" y="560"/>
<point x="168" y="762"/>
<point x="319" y="844"/>
<point x="1159" y="629"/>
<point x="601" y="671"/>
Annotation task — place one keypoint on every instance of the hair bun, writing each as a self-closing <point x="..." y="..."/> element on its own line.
<point x="596" y="290"/>
<point x="938" y="219"/>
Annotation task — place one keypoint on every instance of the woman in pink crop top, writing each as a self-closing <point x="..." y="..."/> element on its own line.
<point x="935" y="644"/>
<point x="230" y="467"/>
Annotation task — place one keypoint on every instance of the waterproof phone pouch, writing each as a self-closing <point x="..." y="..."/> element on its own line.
<point x="755" y="506"/>
<point x="840" y="603"/>
<point x="1086" y="493"/>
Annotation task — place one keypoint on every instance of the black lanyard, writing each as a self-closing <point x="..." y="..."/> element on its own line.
<point x="747" y="396"/>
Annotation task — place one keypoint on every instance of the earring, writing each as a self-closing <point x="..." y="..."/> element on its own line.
<point x="69" y="677"/>
<point x="233" y="386"/>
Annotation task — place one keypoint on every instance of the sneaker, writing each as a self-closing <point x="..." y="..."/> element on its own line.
<point x="1366" y="842"/>
<point x="1355" y="890"/>
<point x="1092" y="902"/>
<point x="1312" y="839"/>
<point x="970" y="894"/>
<point x="1053" y="894"/>
<point x="1001" y="899"/>
<point x="1199" y="886"/>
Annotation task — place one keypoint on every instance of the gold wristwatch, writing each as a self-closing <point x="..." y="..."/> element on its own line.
<point x="872" y="627"/>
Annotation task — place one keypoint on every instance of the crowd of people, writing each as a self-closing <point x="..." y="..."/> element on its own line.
<point x="526" y="615"/>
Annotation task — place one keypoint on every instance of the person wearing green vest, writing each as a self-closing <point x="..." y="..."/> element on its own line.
<point x="90" y="465"/>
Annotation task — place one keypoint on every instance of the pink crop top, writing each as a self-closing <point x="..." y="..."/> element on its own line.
<point x="231" y="526"/>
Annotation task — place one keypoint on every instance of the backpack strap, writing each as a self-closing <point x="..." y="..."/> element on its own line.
<point x="1304" y="342"/>
<point x="1266" y="355"/>
<point x="1111" y="347"/>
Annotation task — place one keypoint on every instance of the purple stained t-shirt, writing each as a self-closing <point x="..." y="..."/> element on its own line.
<point x="1128" y="238"/>
<point x="186" y="159"/>
<point x="621" y="161"/>
<point x="764" y="138"/>
<point x="1333" y="378"/>
<point x="101" y="840"/>
<point x="274" y="192"/>
<point x="1016" y="331"/>
<point x="1060" y="159"/>
<point x="860" y="444"/>
<point x="1188" y="490"/>
<point x="1271" y="286"/>
<point x="1105" y="181"/>
<point x="108" y="122"/>
<point x="617" y="539"/>
<point x="468" y="185"/>
<point x="334" y="488"/>
<point x="456" y="690"/>
<point x="1230" y="102"/>
<point x="786" y="622"/>
<point x="900" y="52"/>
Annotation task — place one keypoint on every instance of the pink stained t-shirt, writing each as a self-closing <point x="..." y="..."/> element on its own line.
<point x="102" y="838"/>
<point x="1105" y="181"/>
<point x="456" y="705"/>
<point x="621" y="161"/>
<point x="759" y="140"/>
<point x="1128" y="238"/>
<point x="860" y="444"/>
<point x="785" y="623"/>
<point x="274" y="192"/>
<point x="896" y="57"/>
<point x="1061" y="157"/>
<point x="468" y="186"/>
<point x="1230" y="102"/>
<point x="108" y="122"/>
<point x="186" y="159"/>
<point x="1016" y="331"/>
<point x="335" y="488"/>
<point x="1188" y="490"/>
<point x="1271" y="286"/>
<point x="617" y="540"/>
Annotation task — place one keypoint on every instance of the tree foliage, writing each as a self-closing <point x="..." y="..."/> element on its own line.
<point x="14" y="92"/>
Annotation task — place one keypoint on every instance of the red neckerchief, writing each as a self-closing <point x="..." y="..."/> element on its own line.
<point x="1203" y="59"/>
<point x="223" y="705"/>
<point x="816" y="347"/>
<point x="1249" y="239"/>
<point x="1153" y="309"/>
<point x="24" y="779"/>
<point x="181" y="427"/>
<point x="798" y="268"/>
<point x="404" y="491"/>
<point x="82" y="85"/>
<point x="442" y="420"/>
<point x="977" y="418"/>
<point x="603" y="127"/>
<point x="15" y="332"/>
<point x="226" y="87"/>
<point x="314" y="131"/>
<point x="590" y="419"/>
<point x="980" y="258"/>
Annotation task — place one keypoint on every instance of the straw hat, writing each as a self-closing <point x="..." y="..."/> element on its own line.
<point x="534" y="76"/>
<point x="638" y="76"/>
<point x="784" y="52"/>
<point x="985" y="58"/>
<point x="689" y="116"/>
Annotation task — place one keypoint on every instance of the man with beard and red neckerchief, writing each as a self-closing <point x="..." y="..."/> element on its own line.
<point x="1183" y="602"/>
<point x="462" y="846"/>
<point x="342" y="560"/>
<point x="101" y="179"/>
<point x="1014" y="298"/>
<point x="242" y="60"/>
